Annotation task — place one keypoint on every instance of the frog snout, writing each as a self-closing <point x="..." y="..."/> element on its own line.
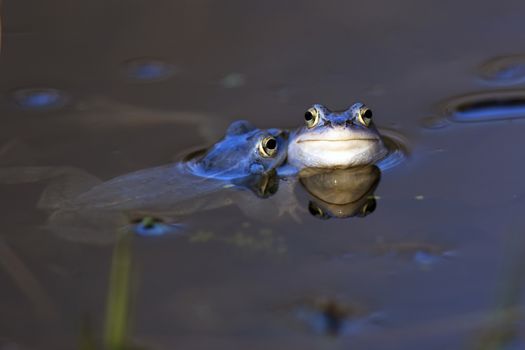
<point x="339" y="121"/>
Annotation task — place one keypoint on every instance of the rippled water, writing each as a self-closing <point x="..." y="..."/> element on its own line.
<point x="426" y="254"/>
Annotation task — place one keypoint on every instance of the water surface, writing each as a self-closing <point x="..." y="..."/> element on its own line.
<point x="239" y="273"/>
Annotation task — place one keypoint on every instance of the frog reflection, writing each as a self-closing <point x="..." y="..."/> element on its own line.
<point x="341" y="193"/>
<point x="331" y="316"/>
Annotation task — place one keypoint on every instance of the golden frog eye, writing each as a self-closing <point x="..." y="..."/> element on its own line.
<point x="317" y="212"/>
<point x="311" y="117"/>
<point x="365" y="116"/>
<point x="268" y="146"/>
<point x="369" y="206"/>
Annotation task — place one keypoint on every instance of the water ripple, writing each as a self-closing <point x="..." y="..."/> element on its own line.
<point x="503" y="70"/>
<point x="486" y="106"/>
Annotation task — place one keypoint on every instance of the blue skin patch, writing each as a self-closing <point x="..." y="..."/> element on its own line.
<point x="153" y="227"/>
<point x="256" y="168"/>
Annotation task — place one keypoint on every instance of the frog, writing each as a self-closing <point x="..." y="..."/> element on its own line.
<point x="245" y="150"/>
<point x="336" y="139"/>
<point x="79" y="202"/>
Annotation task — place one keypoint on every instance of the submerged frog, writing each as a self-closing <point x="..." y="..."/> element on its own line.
<point x="336" y="139"/>
<point x="243" y="152"/>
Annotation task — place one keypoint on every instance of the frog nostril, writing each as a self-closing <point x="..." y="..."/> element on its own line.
<point x="338" y="122"/>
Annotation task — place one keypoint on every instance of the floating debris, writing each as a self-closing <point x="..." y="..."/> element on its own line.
<point x="39" y="98"/>
<point x="422" y="254"/>
<point x="148" y="70"/>
<point x="486" y="106"/>
<point x="149" y="226"/>
<point x="503" y="70"/>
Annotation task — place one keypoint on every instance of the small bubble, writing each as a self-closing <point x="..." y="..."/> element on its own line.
<point x="39" y="98"/>
<point x="419" y="198"/>
<point x="233" y="80"/>
<point x="148" y="70"/>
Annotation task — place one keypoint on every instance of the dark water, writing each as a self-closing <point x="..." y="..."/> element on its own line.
<point x="111" y="87"/>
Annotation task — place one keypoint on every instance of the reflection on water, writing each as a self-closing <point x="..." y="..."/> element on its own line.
<point x="233" y="80"/>
<point x="485" y="106"/>
<point x="397" y="146"/>
<point x="333" y="317"/>
<point x="341" y="193"/>
<point x="247" y="237"/>
<point x="504" y="70"/>
<point x="148" y="70"/>
<point x="429" y="252"/>
<point x="422" y="254"/>
<point x="39" y="98"/>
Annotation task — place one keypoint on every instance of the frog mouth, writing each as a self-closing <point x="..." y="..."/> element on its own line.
<point x="336" y="140"/>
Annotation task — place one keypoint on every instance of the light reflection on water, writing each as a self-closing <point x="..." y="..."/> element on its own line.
<point x="39" y="98"/>
<point x="486" y="106"/>
<point x="503" y="70"/>
<point x="148" y="70"/>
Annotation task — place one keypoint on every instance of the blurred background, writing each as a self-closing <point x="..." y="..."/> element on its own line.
<point x="115" y="86"/>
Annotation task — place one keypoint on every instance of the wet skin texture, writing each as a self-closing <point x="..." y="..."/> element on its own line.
<point x="336" y="139"/>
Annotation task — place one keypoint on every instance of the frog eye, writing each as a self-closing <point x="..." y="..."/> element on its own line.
<point x="368" y="207"/>
<point x="268" y="146"/>
<point x="311" y="117"/>
<point x="317" y="212"/>
<point x="365" y="116"/>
